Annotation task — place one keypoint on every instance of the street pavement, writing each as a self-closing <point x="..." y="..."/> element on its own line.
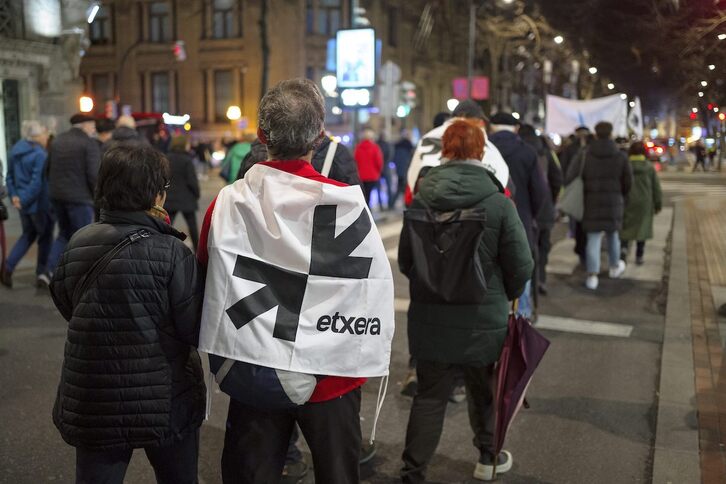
<point x="593" y="401"/>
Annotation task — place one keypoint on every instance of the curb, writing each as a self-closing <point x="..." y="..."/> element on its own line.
<point x="676" y="454"/>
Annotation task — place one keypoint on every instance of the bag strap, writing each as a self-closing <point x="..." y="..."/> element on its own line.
<point x="329" y="157"/>
<point x="101" y="263"/>
<point x="583" y="160"/>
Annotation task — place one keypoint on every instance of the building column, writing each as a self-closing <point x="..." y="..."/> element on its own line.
<point x="209" y="73"/>
<point x="148" y="107"/>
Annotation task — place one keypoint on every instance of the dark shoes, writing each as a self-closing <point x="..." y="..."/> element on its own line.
<point x="410" y="385"/>
<point x="639" y="261"/>
<point x="6" y="279"/>
<point x="485" y="469"/>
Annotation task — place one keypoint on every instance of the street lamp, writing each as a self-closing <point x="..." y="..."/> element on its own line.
<point x="694" y="110"/>
<point x="92" y="11"/>
<point x="592" y="70"/>
<point x="85" y="104"/>
<point x="452" y="104"/>
<point x="721" y="36"/>
<point x="704" y="83"/>
<point x="700" y="93"/>
<point x="631" y="104"/>
<point x="711" y="67"/>
<point x="559" y="39"/>
<point x="623" y="97"/>
<point x="234" y="113"/>
<point x="611" y="86"/>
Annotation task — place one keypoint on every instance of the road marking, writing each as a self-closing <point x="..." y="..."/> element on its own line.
<point x="570" y="325"/>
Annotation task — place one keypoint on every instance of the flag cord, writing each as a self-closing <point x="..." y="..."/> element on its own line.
<point x="209" y="383"/>
<point x="382" y="390"/>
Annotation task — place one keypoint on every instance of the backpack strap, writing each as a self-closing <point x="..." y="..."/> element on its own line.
<point x="329" y="157"/>
<point x="100" y="265"/>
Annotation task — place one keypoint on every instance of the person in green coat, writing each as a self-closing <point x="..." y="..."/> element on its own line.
<point x="644" y="201"/>
<point x="446" y="338"/>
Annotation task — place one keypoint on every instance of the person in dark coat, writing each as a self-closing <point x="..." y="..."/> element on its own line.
<point x="579" y="141"/>
<point x="531" y="192"/>
<point x="28" y="190"/>
<point x="73" y="159"/>
<point x="104" y="133"/>
<point x="131" y="376"/>
<point x="474" y="342"/>
<point x="700" y="151"/>
<point x="402" y="153"/>
<point x="645" y="200"/>
<point x="546" y="218"/>
<point x="183" y="191"/>
<point x="607" y="177"/>
<point x="125" y="131"/>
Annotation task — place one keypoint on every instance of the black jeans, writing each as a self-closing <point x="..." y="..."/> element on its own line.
<point x="625" y="248"/>
<point x="175" y="464"/>
<point x="435" y="382"/>
<point x="191" y="219"/>
<point x="256" y="441"/>
<point x="368" y="189"/>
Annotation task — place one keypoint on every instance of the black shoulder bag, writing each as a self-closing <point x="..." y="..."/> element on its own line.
<point x="445" y="251"/>
<point x="98" y="267"/>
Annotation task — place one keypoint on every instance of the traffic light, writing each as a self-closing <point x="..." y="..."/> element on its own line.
<point x="180" y="53"/>
<point x="693" y="116"/>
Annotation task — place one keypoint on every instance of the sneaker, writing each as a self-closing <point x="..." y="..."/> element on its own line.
<point x="367" y="452"/>
<point x="293" y="472"/>
<point x="6" y="279"/>
<point x="458" y="395"/>
<point x="485" y="471"/>
<point x="617" y="271"/>
<point x="410" y="385"/>
<point x="43" y="281"/>
<point x="639" y="261"/>
<point x="592" y="282"/>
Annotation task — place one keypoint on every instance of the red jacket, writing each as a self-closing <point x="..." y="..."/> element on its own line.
<point x="369" y="158"/>
<point x="329" y="387"/>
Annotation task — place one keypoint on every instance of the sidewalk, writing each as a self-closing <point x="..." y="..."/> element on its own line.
<point x="691" y="429"/>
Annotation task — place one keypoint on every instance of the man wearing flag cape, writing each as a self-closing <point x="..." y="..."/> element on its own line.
<point x="298" y="306"/>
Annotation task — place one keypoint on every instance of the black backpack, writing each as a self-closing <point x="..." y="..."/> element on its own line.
<point x="445" y="250"/>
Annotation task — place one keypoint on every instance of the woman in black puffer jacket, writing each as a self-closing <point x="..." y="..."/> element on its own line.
<point x="131" y="375"/>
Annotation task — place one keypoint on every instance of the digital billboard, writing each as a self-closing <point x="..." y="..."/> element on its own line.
<point x="356" y="58"/>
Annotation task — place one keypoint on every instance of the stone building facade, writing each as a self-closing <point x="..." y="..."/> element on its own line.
<point x="135" y="57"/>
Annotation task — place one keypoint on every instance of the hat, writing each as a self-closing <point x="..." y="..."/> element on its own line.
<point x="104" y="125"/>
<point x="504" y="119"/>
<point x="81" y="118"/>
<point x="582" y="128"/>
<point x="468" y="108"/>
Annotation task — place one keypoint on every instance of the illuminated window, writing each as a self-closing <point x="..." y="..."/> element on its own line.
<point x="329" y="16"/>
<point x="101" y="30"/>
<point x="224" y="19"/>
<point x="223" y="94"/>
<point x="160" y="92"/>
<point x="159" y="22"/>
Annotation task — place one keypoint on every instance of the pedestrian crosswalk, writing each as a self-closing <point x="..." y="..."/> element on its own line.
<point x="680" y="190"/>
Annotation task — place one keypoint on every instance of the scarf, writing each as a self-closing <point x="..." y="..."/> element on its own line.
<point x="158" y="212"/>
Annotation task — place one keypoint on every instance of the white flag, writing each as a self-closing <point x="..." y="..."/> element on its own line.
<point x="298" y="278"/>
<point x="635" y="118"/>
<point x="565" y="115"/>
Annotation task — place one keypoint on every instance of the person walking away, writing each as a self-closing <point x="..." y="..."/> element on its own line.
<point x="343" y="169"/>
<point x="74" y="160"/>
<point x="474" y="343"/>
<point x="402" y="153"/>
<point x="369" y="158"/>
<point x="645" y="200"/>
<point x="258" y="437"/>
<point x="531" y="193"/>
<point x="125" y="131"/>
<point x="131" y="376"/>
<point x="581" y="138"/>
<point x="104" y="133"/>
<point x="387" y="151"/>
<point x="28" y="190"/>
<point x="3" y="218"/>
<point x="607" y="178"/>
<point x="546" y="217"/>
<point x="233" y="161"/>
<point x="700" y="152"/>
<point x="183" y="190"/>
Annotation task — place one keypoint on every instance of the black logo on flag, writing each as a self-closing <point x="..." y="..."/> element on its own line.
<point x="285" y="289"/>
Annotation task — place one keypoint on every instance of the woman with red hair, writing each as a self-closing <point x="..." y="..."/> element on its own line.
<point x="462" y="275"/>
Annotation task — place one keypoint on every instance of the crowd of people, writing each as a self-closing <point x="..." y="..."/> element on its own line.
<point x="134" y="294"/>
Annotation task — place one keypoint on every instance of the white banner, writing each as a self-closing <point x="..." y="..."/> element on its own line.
<point x="298" y="278"/>
<point x="635" y="118"/>
<point x="565" y="115"/>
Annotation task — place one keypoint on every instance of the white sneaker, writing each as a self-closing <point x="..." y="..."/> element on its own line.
<point x="484" y="470"/>
<point x="617" y="271"/>
<point x="592" y="282"/>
